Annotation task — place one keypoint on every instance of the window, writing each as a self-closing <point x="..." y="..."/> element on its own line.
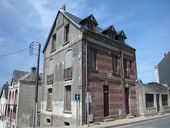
<point x="49" y="99"/>
<point x="164" y="100"/>
<point x="149" y="100"/>
<point x="53" y="45"/>
<point x="66" y="33"/>
<point x="114" y="64"/>
<point x="68" y="65"/>
<point x="131" y="66"/>
<point x="50" y="78"/>
<point x="67" y="98"/>
<point x="125" y="65"/>
<point x="92" y="58"/>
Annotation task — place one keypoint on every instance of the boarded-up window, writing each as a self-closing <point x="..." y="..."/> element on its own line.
<point x="149" y="100"/>
<point x="164" y="100"/>
<point x="114" y="64"/>
<point x="49" y="99"/>
<point x="53" y="45"/>
<point x="67" y="105"/>
<point x="66" y="33"/>
<point x="68" y="65"/>
<point x="92" y="58"/>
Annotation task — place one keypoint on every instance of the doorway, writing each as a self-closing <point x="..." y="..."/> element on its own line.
<point x="106" y="100"/>
<point x="127" y="100"/>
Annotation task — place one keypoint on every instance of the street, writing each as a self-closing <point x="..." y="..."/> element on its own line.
<point x="163" y="122"/>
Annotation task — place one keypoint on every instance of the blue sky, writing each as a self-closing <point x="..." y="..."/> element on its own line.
<point x="146" y="24"/>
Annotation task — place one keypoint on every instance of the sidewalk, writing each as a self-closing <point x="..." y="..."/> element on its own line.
<point x="120" y="122"/>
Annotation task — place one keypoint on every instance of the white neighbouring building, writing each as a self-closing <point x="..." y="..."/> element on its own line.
<point x="3" y="99"/>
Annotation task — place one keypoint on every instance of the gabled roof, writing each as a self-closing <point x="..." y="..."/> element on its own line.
<point x="5" y="89"/>
<point x="91" y="18"/>
<point x="122" y="34"/>
<point x="111" y="27"/>
<point x="74" y="19"/>
<point x="165" y="59"/>
<point x="77" y="22"/>
<point x="17" y="74"/>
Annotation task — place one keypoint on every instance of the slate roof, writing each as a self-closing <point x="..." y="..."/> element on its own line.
<point x="24" y="76"/>
<point x="17" y="74"/>
<point x="5" y="88"/>
<point x="76" y="20"/>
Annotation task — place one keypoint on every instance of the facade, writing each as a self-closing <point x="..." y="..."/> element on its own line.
<point x="154" y="98"/>
<point x="81" y="58"/>
<point x="163" y="70"/>
<point x="3" y="99"/>
<point x="21" y="99"/>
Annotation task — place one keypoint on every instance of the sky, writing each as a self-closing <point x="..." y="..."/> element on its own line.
<point x="146" y="24"/>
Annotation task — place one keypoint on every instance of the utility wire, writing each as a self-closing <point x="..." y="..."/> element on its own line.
<point x="12" y="53"/>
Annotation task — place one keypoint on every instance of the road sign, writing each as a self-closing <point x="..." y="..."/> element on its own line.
<point x="88" y="98"/>
<point x="77" y="97"/>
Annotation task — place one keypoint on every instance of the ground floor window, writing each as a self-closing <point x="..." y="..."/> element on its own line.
<point x="67" y="100"/>
<point x="149" y="100"/>
<point x="164" y="100"/>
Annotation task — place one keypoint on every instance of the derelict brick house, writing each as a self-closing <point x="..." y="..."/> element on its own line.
<point x="80" y="57"/>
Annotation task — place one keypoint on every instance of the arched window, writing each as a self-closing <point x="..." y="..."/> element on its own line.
<point x="16" y="93"/>
<point x="13" y="95"/>
<point x="9" y="95"/>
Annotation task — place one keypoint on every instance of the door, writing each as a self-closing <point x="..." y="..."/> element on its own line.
<point x="106" y="100"/>
<point x="157" y="102"/>
<point x="127" y="100"/>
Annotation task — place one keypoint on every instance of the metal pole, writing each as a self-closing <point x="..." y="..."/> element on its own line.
<point x="37" y="82"/>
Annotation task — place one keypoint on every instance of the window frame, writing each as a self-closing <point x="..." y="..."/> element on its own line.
<point x="67" y="102"/>
<point x="66" y="33"/>
<point x="53" y="42"/>
<point x="49" y="101"/>
<point x="92" y="58"/>
<point x="149" y="100"/>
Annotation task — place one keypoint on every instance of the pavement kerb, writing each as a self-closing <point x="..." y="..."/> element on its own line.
<point x="133" y="122"/>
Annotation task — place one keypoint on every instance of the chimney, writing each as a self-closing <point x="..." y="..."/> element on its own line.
<point x="33" y="69"/>
<point x="165" y="53"/>
<point x="63" y="7"/>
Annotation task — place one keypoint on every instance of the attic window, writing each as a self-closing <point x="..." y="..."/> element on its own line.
<point x="53" y="45"/>
<point x="66" y="33"/>
<point x="90" y="25"/>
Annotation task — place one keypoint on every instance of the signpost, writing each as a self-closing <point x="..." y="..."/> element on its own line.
<point x="77" y="99"/>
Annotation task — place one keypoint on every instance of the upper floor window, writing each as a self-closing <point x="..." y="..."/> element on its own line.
<point x="66" y="33"/>
<point x="53" y="45"/>
<point x="125" y="65"/>
<point x="68" y="65"/>
<point x="114" y="64"/>
<point x="92" y="58"/>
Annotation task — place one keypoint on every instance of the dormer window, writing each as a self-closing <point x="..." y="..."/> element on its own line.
<point x="120" y="37"/>
<point x="53" y="45"/>
<point x="109" y="32"/>
<point x="66" y="33"/>
<point x="89" y="22"/>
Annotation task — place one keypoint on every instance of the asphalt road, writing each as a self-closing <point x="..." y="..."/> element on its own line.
<point x="163" y="122"/>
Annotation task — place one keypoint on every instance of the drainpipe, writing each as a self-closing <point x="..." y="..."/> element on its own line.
<point x="87" y="102"/>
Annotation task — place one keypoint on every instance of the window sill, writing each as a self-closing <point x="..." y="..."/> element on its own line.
<point x="66" y="43"/>
<point x="49" y="110"/>
<point x="53" y="50"/>
<point x="150" y="108"/>
<point x="67" y="112"/>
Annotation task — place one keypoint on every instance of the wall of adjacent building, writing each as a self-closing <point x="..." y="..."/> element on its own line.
<point x="26" y="103"/>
